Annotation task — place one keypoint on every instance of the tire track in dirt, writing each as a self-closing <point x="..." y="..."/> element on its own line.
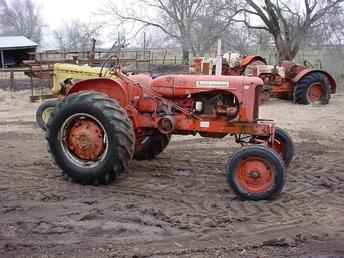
<point x="181" y="195"/>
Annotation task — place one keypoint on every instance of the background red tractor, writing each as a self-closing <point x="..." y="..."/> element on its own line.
<point x="100" y="124"/>
<point x="288" y="80"/>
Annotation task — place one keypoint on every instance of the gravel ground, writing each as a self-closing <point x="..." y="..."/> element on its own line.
<point x="178" y="205"/>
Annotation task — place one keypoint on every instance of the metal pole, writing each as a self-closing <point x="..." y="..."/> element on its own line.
<point x="219" y="58"/>
<point x="144" y="45"/>
<point x="11" y="81"/>
<point x="31" y="81"/>
<point x="119" y="43"/>
<point x="2" y="60"/>
<point x="149" y="61"/>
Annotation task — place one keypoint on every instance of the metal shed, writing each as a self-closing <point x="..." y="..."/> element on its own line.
<point x="15" y="49"/>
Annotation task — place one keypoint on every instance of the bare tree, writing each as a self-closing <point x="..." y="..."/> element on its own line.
<point x="239" y="39"/>
<point x="77" y="35"/>
<point x="289" y="22"/>
<point x="194" y="24"/>
<point x="21" y="17"/>
<point x="155" y="38"/>
<point x="214" y="21"/>
<point x="331" y="31"/>
<point x="120" y="42"/>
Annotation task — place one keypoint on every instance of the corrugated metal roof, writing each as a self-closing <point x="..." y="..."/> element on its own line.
<point x="14" y="42"/>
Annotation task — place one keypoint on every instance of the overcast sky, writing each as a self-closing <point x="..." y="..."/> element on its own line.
<point x="57" y="12"/>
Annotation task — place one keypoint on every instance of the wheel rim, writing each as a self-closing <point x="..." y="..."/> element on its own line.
<point x="254" y="175"/>
<point x="84" y="140"/>
<point x="46" y="114"/>
<point x="314" y="93"/>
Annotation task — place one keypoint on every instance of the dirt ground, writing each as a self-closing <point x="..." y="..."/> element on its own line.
<point x="178" y="205"/>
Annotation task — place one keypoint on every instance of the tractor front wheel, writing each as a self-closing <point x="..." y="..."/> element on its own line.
<point x="256" y="173"/>
<point x="91" y="138"/>
<point x="284" y="146"/>
<point x="313" y="88"/>
<point x="44" y="112"/>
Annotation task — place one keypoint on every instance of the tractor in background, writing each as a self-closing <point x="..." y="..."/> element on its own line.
<point x="287" y="81"/>
<point x="100" y="124"/>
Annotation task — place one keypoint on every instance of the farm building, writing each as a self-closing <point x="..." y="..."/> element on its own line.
<point x="14" y="50"/>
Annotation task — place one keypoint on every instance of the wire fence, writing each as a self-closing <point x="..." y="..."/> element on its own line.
<point x="37" y="77"/>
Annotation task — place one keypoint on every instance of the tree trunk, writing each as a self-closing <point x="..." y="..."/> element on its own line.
<point x="284" y="49"/>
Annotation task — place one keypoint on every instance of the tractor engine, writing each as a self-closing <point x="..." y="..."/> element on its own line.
<point x="270" y="74"/>
<point x="216" y="104"/>
<point x="207" y="97"/>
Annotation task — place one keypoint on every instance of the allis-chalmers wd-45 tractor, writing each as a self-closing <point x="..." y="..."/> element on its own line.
<point x="287" y="81"/>
<point x="100" y="124"/>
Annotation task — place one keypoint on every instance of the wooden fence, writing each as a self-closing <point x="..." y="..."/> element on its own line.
<point x="16" y="79"/>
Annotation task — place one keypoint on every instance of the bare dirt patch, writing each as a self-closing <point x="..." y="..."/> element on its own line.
<point x="178" y="205"/>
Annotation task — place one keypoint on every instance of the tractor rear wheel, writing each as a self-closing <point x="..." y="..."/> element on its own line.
<point x="256" y="173"/>
<point x="313" y="88"/>
<point x="44" y="112"/>
<point x="91" y="138"/>
<point x="151" y="146"/>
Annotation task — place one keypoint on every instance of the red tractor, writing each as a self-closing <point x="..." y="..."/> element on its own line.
<point x="287" y="81"/>
<point x="101" y="124"/>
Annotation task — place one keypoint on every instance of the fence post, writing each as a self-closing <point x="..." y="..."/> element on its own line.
<point x="165" y="54"/>
<point x="149" y="61"/>
<point x="11" y="81"/>
<point x="2" y="60"/>
<point x="31" y="81"/>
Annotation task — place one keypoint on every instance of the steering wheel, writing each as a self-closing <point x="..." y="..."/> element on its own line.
<point x="115" y="65"/>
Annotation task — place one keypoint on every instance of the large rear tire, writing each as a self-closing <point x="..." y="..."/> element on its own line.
<point x="151" y="146"/>
<point x="313" y="88"/>
<point x="91" y="138"/>
<point x="256" y="173"/>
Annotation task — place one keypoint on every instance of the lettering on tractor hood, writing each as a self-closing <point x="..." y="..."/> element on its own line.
<point x="212" y="84"/>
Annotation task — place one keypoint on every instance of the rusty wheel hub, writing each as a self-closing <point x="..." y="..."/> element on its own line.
<point x="85" y="140"/>
<point x="254" y="175"/>
<point x="315" y="93"/>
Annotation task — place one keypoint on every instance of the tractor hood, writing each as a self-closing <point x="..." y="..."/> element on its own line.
<point x="178" y="86"/>
<point x="63" y="72"/>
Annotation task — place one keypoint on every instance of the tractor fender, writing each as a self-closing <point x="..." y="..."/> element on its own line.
<point x="112" y="88"/>
<point x="249" y="59"/>
<point x="305" y="72"/>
